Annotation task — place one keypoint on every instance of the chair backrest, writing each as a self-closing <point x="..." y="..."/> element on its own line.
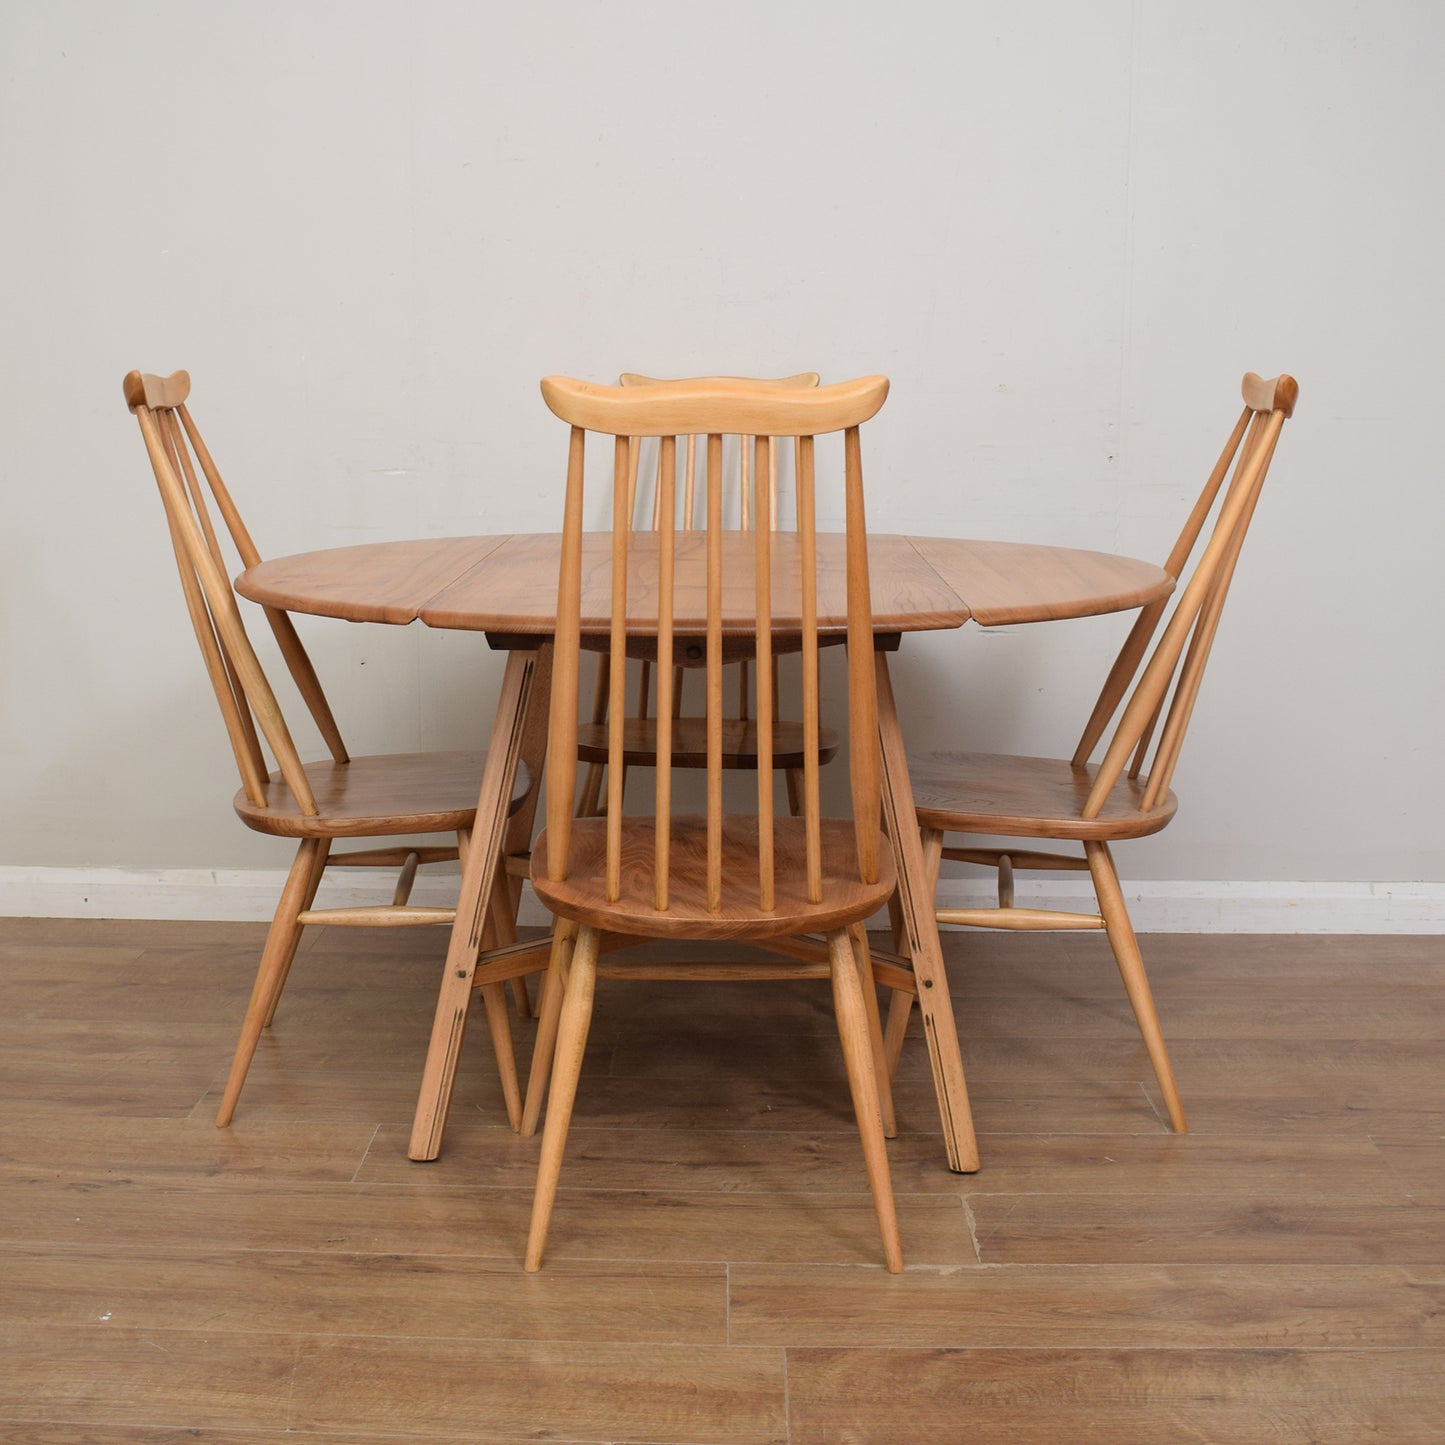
<point x="714" y="408"/>
<point x="186" y="473"/>
<point x="802" y="379"/>
<point x="1189" y="634"/>
<point x="689" y="493"/>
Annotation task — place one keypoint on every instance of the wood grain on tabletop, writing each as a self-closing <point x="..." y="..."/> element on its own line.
<point x="1010" y="582"/>
<point x="514" y="588"/>
<point x="372" y="582"/>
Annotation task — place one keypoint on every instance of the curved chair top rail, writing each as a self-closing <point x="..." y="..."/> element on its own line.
<point x="1279" y="393"/>
<point x="160" y="393"/>
<point x="798" y="379"/>
<point x="714" y="406"/>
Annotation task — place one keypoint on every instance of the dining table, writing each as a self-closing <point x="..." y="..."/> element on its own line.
<point x="505" y="587"/>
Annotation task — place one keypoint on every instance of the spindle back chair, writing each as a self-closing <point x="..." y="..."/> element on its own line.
<point x="761" y="878"/>
<point x="384" y="796"/>
<point x="1126" y="794"/>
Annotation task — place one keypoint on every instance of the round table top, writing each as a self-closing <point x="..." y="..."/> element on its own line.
<point x="508" y="584"/>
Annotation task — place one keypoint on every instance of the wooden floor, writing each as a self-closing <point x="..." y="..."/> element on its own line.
<point x="714" y="1272"/>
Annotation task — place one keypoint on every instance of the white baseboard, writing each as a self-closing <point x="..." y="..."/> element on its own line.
<point x="249" y="895"/>
<point x="1184" y="906"/>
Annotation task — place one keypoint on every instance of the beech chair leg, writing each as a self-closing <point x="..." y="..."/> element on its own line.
<point x="859" y="936"/>
<point x="549" y="1010"/>
<point x="1131" y="968"/>
<point x="521" y="998"/>
<point x="794" y="780"/>
<point x="275" y="958"/>
<point x="571" y="1044"/>
<point x="494" y="999"/>
<point x="858" y="1057"/>
<point x="503" y="918"/>
<point x="900" y="1011"/>
<point x="307" y="902"/>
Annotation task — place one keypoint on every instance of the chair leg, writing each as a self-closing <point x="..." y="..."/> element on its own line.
<point x="521" y="998"/>
<point x="505" y="893"/>
<point x="859" y="935"/>
<point x="900" y="1011"/>
<point x="571" y="1044"/>
<point x="1131" y="967"/>
<point x="549" y="1010"/>
<point x="307" y="902"/>
<point x="494" y="999"/>
<point x="275" y="960"/>
<point x="858" y="1057"/>
<point x="794" y="780"/>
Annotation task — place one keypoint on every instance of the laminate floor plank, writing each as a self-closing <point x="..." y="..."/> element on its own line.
<point x="1419" y="1163"/>
<point x="1159" y="1165"/>
<point x="135" y="932"/>
<point x="257" y="1212"/>
<point x="160" y="1378"/>
<point x="1298" y="1108"/>
<point x="1103" y="1397"/>
<point x="301" y="1293"/>
<point x="144" y="1148"/>
<point x="1367" y="1072"/>
<point x="44" y="965"/>
<point x="1091" y="1307"/>
<point x="1276" y="1228"/>
<point x="26" y="1432"/>
<point x="676" y="1394"/>
<point x="148" y="1081"/>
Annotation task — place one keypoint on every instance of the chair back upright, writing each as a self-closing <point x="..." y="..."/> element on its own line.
<point x="1175" y="670"/>
<point x="186" y="475"/>
<point x="712" y="408"/>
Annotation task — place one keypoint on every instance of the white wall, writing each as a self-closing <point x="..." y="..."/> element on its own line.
<point x="1064" y="232"/>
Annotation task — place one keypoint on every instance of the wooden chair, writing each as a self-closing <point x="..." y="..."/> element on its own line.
<point x="1095" y="805"/>
<point x="777" y="882"/>
<point x="389" y="796"/>
<point x="689" y="731"/>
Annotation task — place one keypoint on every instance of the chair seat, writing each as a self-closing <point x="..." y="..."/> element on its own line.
<point x="1027" y="798"/>
<point x="689" y="743"/>
<point x="384" y="796"/>
<point x="845" y="900"/>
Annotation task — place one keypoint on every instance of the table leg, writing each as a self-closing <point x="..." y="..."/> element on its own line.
<point x="478" y="886"/>
<point x="920" y="927"/>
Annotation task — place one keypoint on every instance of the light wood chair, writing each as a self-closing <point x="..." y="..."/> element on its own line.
<point x="776" y="882"/>
<point x="387" y="796"/>
<point x="689" y="730"/>
<point x="1097" y="804"/>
